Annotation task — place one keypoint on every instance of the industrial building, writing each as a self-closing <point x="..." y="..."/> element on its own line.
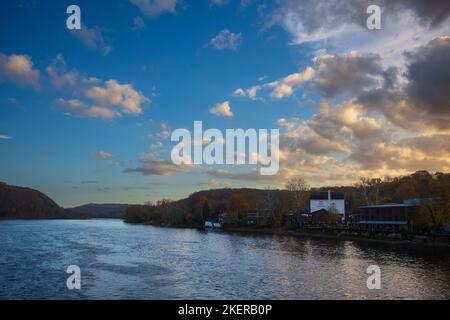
<point x="328" y="200"/>
<point x="397" y="217"/>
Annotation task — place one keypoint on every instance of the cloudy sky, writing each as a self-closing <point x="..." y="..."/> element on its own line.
<point x="86" y="115"/>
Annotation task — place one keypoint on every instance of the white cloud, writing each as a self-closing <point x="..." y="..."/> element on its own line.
<point x="281" y="88"/>
<point x="5" y="137"/>
<point x="92" y="97"/>
<point x="341" y="25"/>
<point x="103" y="155"/>
<point x="18" y="69"/>
<point x="239" y="92"/>
<point x="340" y="143"/>
<point x="100" y="112"/>
<point x="138" y="23"/>
<point x="58" y="76"/>
<point x="382" y="112"/>
<point x="78" y="108"/>
<point x="93" y="38"/>
<point x="115" y="94"/>
<point x="222" y="109"/>
<point x="155" y="8"/>
<point x="226" y="40"/>
<point x="165" y="131"/>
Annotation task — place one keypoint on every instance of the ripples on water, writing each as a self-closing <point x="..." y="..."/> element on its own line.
<point x="121" y="261"/>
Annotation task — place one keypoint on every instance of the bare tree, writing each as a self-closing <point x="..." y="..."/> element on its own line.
<point x="299" y="189"/>
<point x="371" y="189"/>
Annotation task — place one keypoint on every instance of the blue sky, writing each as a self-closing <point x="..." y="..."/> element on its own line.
<point x="79" y="109"/>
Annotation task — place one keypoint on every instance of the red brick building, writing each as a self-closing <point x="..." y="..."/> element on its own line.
<point x="395" y="217"/>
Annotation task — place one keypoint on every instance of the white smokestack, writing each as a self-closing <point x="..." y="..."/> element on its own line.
<point x="329" y="199"/>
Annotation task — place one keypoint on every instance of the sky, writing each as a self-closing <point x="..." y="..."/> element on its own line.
<point x="86" y="115"/>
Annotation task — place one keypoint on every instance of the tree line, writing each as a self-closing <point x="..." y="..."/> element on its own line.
<point x="294" y="197"/>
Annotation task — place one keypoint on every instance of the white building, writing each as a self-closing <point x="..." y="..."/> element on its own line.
<point x="327" y="200"/>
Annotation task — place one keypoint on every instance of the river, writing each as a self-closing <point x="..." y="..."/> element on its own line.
<point x="123" y="261"/>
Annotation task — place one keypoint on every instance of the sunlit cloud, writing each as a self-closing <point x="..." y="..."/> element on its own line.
<point x="18" y="69"/>
<point x="222" y="109"/>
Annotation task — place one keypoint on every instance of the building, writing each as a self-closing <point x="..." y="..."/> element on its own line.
<point x="299" y="218"/>
<point x="260" y="217"/>
<point x="222" y="218"/>
<point x="328" y="200"/>
<point x="394" y="217"/>
<point x="320" y="217"/>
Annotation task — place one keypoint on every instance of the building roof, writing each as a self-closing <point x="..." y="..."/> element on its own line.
<point x="389" y="205"/>
<point x="323" y="195"/>
<point x="320" y="211"/>
<point x="383" y="222"/>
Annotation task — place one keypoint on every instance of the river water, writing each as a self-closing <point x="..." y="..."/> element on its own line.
<point x="123" y="261"/>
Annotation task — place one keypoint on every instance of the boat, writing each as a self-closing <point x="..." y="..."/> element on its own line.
<point x="212" y="225"/>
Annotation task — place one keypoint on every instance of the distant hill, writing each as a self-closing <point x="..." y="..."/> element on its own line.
<point x="106" y="210"/>
<point x="26" y="203"/>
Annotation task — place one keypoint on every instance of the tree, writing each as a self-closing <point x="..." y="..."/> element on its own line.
<point x="268" y="201"/>
<point x="435" y="211"/>
<point x="354" y="200"/>
<point x="221" y="208"/>
<point x="333" y="215"/>
<point x="299" y="189"/>
<point x="371" y="189"/>
<point x="433" y="214"/>
<point x="281" y="207"/>
<point x="238" y="206"/>
<point x="207" y="209"/>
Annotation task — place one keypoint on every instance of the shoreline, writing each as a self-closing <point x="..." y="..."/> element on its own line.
<point x="328" y="236"/>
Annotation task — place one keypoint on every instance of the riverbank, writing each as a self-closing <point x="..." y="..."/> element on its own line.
<point x="312" y="233"/>
<point x="329" y="235"/>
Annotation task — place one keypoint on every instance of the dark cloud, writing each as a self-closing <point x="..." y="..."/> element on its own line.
<point x="429" y="77"/>
<point x="430" y="12"/>
<point x="320" y="146"/>
<point x="437" y="145"/>
<point x="352" y="73"/>
<point x="158" y="168"/>
<point x="424" y="100"/>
